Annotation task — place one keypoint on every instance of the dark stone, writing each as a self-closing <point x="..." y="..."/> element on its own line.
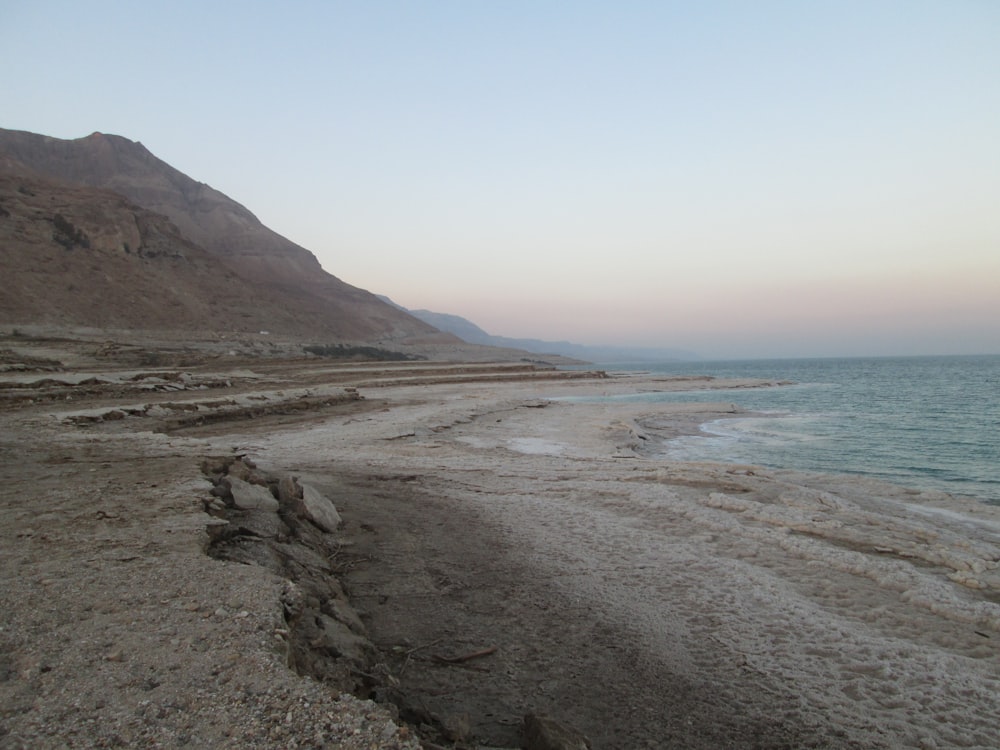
<point x="545" y="733"/>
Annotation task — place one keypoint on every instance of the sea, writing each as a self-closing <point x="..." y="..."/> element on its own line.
<point x="931" y="423"/>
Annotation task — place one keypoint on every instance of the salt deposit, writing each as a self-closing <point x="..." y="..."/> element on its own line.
<point x="834" y="601"/>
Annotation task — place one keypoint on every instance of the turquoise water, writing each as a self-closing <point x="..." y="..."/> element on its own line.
<point x="923" y="422"/>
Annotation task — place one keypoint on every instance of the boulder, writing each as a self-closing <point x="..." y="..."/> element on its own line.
<point x="239" y="469"/>
<point x="245" y="469"/>
<point x="318" y="509"/>
<point x="288" y="491"/>
<point x="545" y="733"/>
<point x="248" y="496"/>
<point x="342" y="611"/>
<point x="337" y="638"/>
<point x="260" y="523"/>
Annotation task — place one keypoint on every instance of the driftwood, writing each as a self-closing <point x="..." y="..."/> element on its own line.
<point x="410" y="652"/>
<point x="464" y="658"/>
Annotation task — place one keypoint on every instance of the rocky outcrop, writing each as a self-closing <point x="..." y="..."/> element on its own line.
<point x="248" y="496"/>
<point x="263" y="521"/>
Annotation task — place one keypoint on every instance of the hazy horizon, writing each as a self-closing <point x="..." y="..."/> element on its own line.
<point x="740" y="180"/>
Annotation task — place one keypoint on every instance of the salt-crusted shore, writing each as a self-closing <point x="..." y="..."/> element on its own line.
<point x="818" y="611"/>
<point x="648" y="603"/>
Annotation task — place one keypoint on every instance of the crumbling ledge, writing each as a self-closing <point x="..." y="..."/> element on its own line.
<point x="285" y="527"/>
<point x="289" y="529"/>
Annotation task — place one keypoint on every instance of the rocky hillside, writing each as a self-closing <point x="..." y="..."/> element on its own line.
<point x="85" y="242"/>
<point x="77" y="256"/>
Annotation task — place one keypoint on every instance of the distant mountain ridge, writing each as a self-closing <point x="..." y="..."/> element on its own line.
<point x="470" y="332"/>
<point x="283" y="286"/>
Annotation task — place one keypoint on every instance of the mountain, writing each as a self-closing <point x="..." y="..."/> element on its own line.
<point x="461" y="327"/>
<point x="470" y="332"/>
<point x="206" y="258"/>
<point x="79" y="256"/>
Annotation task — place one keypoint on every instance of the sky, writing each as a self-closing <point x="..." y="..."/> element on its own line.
<point x="738" y="179"/>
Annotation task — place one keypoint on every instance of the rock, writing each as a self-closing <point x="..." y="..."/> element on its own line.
<point x="239" y="470"/>
<point x="288" y="491"/>
<point x="457" y="727"/>
<point x="545" y="733"/>
<point x="297" y="555"/>
<point x="260" y="523"/>
<point x="251" y="496"/>
<point x="318" y="509"/>
<point x="246" y="470"/>
<point x="209" y="466"/>
<point x="292" y="601"/>
<point x="342" y="611"/>
<point x="221" y="491"/>
<point x="338" y="638"/>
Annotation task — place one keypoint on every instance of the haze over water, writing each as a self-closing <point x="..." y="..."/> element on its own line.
<point x="923" y="422"/>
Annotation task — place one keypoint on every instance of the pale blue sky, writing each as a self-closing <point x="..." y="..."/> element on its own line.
<point x="735" y="178"/>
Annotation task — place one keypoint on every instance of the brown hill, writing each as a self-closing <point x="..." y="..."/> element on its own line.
<point x="212" y="266"/>
<point x="77" y="256"/>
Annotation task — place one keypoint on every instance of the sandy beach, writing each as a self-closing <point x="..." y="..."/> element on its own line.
<point x="506" y="553"/>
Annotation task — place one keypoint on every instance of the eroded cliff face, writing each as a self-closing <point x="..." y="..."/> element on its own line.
<point x="268" y="265"/>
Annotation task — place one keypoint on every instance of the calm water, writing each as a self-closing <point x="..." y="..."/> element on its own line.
<point x="924" y="422"/>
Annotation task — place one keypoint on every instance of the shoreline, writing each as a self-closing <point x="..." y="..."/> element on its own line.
<point x="799" y="544"/>
<point x="966" y="500"/>
<point x="923" y="422"/>
<point x="645" y="602"/>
